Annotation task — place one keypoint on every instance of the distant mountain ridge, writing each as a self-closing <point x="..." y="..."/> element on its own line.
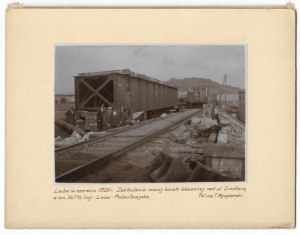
<point x="183" y="84"/>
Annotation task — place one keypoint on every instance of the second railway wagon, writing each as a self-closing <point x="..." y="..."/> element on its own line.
<point x="122" y="87"/>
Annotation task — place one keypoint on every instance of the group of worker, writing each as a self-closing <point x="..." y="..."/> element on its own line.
<point x="107" y="117"/>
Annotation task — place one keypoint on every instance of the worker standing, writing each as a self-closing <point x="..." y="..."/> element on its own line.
<point x="121" y="115"/>
<point x="70" y="116"/>
<point x="212" y="111"/>
<point x="217" y="116"/>
<point x="107" y="119"/>
<point x="115" y="119"/>
<point x="100" y="113"/>
<point x="128" y="105"/>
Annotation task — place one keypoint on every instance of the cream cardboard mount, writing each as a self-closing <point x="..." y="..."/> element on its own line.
<point x="34" y="200"/>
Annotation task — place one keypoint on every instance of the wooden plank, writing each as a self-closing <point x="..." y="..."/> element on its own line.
<point x="99" y="95"/>
<point x="76" y="84"/>
<point x="212" y="138"/>
<point x="97" y="91"/>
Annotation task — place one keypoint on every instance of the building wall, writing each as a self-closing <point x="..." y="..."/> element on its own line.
<point x="242" y="106"/>
<point x="68" y="98"/>
<point x="230" y="99"/>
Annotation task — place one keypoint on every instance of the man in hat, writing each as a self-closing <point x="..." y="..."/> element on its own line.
<point x="129" y="105"/>
<point x="100" y="113"/>
<point x="121" y="115"/>
<point x="70" y="116"/>
<point x="217" y="115"/>
<point x="115" y="119"/>
<point x="107" y="119"/>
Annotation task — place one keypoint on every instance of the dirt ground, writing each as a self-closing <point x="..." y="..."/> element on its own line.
<point x="62" y="132"/>
<point x="133" y="167"/>
<point x="120" y="170"/>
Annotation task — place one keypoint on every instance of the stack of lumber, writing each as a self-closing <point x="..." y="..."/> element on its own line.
<point x="91" y="121"/>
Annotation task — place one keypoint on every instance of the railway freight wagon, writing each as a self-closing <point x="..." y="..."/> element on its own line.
<point x="197" y="97"/>
<point x="122" y="87"/>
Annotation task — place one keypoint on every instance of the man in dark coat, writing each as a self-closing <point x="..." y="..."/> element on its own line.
<point x="107" y="119"/>
<point x="115" y="119"/>
<point x="129" y="105"/>
<point x="100" y="113"/>
<point x="121" y="115"/>
<point x="70" y="116"/>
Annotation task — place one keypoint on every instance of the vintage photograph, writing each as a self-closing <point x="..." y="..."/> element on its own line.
<point x="150" y="113"/>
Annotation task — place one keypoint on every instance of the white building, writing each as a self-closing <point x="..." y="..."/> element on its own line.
<point x="64" y="98"/>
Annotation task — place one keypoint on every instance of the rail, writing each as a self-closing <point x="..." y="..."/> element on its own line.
<point x="134" y="137"/>
<point x="234" y="120"/>
<point x="111" y="132"/>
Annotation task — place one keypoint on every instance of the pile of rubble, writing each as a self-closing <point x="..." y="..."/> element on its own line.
<point x="205" y="150"/>
<point x="201" y="130"/>
<point x="76" y="138"/>
<point x="171" y="167"/>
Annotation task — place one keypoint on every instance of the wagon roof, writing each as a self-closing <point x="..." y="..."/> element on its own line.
<point x="124" y="72"/>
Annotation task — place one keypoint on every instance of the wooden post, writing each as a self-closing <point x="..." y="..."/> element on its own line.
<point x="204" y="111"/>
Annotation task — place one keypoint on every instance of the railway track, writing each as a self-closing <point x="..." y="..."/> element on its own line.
<point x="234" y="120"/>
<point x="60" y="151"/>
<point x="74" y="161"/>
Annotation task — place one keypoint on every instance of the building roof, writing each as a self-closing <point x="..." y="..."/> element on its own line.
<point x="124" y="72"/>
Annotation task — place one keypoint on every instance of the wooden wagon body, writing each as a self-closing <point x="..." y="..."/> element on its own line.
<point x="122" y="87"/>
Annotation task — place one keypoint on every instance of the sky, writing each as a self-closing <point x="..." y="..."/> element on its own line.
<point x="157" y="61"/>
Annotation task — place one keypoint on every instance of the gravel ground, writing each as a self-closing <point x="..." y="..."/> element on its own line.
<point x="133" y="166"/>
